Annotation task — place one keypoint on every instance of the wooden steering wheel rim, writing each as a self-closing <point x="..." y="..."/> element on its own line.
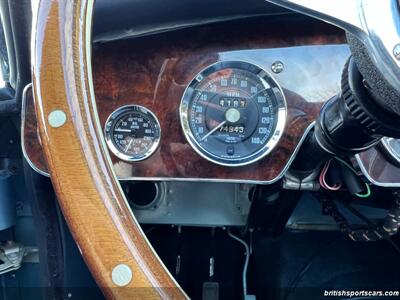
<point x="114" y="247"/>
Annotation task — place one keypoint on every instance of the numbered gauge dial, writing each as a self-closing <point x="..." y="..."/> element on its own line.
<point x="132" y="133"/>
<point x="233" y="113"/>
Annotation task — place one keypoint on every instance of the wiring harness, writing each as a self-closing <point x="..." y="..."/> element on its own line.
<point x="339" y="185"/>
<point x="388" y="227"/>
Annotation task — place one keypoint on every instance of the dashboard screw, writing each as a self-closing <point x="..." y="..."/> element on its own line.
<point x="396" y="51"/>
<point x="277" y="67"/>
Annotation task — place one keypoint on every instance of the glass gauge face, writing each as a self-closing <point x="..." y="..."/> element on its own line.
<point x="132" y="133"/>
<point x="233" y="113"/>
<point x="391" y="147"/>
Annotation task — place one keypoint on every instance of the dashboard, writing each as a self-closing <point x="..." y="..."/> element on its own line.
<point x="232" y="113"/>
<point x="224" y="102"/>
<point x="171" y="74"/>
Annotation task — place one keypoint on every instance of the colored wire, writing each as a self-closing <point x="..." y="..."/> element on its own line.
<point x="368" y="192"/>
<point x="336" y="186"/>
<point x="322" y="178"/>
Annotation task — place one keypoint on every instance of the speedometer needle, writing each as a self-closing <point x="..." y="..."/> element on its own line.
<point x="122" y="130"/>
<point x="129" y="145"/>
<point x="214" y="130"/>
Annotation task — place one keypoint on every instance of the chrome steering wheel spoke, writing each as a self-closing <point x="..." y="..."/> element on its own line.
<point x="375" y="22"/>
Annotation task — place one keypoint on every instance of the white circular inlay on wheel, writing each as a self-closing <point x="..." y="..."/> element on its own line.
<point x="57" y="118"/>
<point x="121" y="275"/>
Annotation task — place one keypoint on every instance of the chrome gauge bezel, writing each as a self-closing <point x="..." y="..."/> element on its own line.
<point x="394" y="156"/>
<point x="115" y="116"/>
<point x="268" y="81"/>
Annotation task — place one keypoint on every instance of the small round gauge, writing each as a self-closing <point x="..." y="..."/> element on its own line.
<point x="233" y="113"/>
<point x="391" y="147"/>
<point x="132" y="133"/>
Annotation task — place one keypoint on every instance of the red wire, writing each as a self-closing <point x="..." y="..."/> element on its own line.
<point x="322" y="178"/>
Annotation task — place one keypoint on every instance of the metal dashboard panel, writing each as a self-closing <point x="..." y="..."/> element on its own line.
<point x="378" y="169"/>
<point x="198" y="204"/>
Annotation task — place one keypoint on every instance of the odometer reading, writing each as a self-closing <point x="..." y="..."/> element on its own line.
<point x="132" y="133"/>
<point x="233" y="113"/>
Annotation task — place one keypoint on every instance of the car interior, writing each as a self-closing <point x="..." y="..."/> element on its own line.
<point x="186" y="149"/>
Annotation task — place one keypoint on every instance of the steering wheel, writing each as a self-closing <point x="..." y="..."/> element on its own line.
<point x="373" y="30"/>
<point x="112" y="243"/>
<point x="122" y="261"/>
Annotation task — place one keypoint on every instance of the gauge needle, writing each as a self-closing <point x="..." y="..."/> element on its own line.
<point x="214" y="130"/>
<point x="122" y="130"/>
<point x="128" y="146"/>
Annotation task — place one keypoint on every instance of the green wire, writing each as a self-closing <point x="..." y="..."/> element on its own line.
<point x="368" y="192"/>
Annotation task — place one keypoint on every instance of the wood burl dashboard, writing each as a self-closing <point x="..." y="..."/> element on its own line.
<point x="154" y="71"/>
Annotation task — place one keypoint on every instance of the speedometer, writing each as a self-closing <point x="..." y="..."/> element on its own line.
<point x="132" y="133"/>
<point x="233" y="113"/>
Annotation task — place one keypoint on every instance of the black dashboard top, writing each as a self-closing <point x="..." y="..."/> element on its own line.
<point x="130" y="18"/>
